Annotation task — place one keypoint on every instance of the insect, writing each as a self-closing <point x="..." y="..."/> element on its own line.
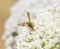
<point x="29" y="23"/>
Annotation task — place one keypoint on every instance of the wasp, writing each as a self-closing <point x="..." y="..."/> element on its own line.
<point x="29" y="24"/>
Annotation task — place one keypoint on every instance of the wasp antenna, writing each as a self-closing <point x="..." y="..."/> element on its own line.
<point x="28" y="17"/>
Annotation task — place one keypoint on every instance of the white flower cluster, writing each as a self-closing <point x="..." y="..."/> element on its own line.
<point x="46" y="33"/>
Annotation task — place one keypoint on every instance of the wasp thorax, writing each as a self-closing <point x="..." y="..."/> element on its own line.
<point x="31" y="25"/>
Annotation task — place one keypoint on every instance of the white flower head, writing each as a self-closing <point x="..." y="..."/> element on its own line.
<point x="46" y="17"/>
